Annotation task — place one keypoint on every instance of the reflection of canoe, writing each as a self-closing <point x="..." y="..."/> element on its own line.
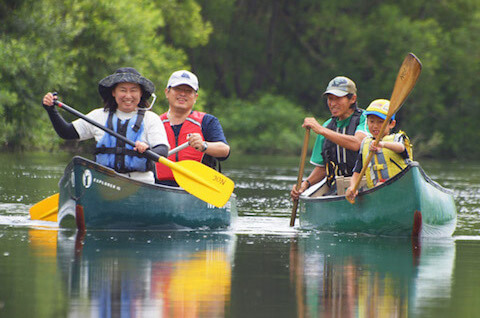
<point x="408" y="204"/>
<point x="162" y="273"/>
<point x="93" y="196"/>
<point x="365" y="276"/>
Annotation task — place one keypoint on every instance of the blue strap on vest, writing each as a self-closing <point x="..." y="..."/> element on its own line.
<point x="114" y="153"/>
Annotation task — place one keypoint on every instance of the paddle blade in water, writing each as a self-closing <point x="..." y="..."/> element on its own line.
<point x="45" y="210"/>
<point x="201" y="181"/>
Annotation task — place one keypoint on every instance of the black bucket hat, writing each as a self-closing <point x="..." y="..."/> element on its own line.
<point x="125" y="75"/>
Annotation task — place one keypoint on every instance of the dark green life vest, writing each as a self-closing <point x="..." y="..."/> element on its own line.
<point x="338" y="160"/>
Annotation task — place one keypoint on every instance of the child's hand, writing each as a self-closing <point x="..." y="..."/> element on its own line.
<point x="350" y="194"/>
<point x="376" y="148"/>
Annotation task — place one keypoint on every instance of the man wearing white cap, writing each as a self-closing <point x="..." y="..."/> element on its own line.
<point x="202" y="131"/>
<point x="339" y="138"/>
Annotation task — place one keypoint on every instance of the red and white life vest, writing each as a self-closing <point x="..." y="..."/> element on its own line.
<point x="192" y="124"/>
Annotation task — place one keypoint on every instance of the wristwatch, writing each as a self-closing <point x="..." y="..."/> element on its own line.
<point x="205" y="146"/>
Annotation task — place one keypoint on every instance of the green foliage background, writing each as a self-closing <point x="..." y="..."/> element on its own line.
<point x="263" y="65"/>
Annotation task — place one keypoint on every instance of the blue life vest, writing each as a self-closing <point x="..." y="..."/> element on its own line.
<point x="114" y="153"/>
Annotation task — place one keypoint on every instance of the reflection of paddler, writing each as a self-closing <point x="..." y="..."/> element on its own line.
<point x="200" y="285"/>
<point x="382" y="296"/>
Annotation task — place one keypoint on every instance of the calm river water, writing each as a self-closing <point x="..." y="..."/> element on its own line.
<point x="259" y="268"/>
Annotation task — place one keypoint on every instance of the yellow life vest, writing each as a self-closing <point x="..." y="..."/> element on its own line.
<point x="386" y="163"/>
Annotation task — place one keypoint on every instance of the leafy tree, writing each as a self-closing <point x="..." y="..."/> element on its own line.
<point x="70" y="45"/>
<point x="246" y="52"/>
<point x="269" y="125"/>
<point x="293" y="48"/>
<point x="458" y="82"/>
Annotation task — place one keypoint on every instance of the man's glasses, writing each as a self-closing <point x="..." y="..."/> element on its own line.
<point x="187" y="91"/>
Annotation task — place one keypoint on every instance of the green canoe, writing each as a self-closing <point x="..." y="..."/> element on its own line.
<point x="409" y="204"/>
<point x="95" y="197"/>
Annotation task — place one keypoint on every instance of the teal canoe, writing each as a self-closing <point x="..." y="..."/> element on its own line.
<point x="96" y="197"/>
<point x="409" y="204"/>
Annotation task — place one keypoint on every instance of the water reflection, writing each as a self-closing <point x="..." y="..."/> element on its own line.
<point x="174" y="274"/>
<point x="43" y="242"/>
<point x="342" y="276"/>
<point x="276" y="271"/>
<point x="195" y="274"/>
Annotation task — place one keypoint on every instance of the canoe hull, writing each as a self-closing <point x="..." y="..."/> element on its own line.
<point x="410" y="204"/>
<point x="96" y="197"/>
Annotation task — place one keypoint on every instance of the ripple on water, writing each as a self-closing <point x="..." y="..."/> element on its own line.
<point x="264" y="226"/>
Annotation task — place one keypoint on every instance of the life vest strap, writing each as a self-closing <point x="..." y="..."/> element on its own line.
<point x="378" y="167"/>
<point x="117" y="151"/>
<point x="138" y="122"/>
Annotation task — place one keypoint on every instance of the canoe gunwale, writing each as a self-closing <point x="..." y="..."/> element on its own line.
<point x="112" y="173"/>
<point x="398" y="176"/>
<point x="178" y="208"/>
<point x="409" y="204"/>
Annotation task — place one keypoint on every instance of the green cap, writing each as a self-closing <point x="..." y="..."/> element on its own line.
<point x="341" y="86"/>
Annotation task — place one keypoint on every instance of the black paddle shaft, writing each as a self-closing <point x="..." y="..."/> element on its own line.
<point x="150" y="154"/>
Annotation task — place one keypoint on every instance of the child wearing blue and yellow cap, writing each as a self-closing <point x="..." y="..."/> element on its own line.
<point x="391" y="154"/>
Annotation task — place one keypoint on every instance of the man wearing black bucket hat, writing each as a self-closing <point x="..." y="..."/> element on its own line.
<point x="339" y="138"/>
<point x="125" y="94"/>
<point x="202" y="131"/>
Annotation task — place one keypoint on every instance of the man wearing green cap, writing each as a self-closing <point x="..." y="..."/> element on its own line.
<point x="339" y="138"/>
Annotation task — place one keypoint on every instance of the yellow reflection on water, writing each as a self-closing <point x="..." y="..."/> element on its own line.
<point x="43" y="242"/>
<point x="148" y="273"/>
<point x="199" y="286"/>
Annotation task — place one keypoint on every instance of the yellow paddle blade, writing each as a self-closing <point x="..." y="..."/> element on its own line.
<point x="45" y="210"/>
<point x="201" y="181"/>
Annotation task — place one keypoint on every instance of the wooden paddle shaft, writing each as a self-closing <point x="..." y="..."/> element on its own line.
<point x="406" y="79"/>
<point x="370" y="155"/>
<point x="300" y="174"/>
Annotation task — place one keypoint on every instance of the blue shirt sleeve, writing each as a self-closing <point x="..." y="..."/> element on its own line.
<point x="212" y="130"/>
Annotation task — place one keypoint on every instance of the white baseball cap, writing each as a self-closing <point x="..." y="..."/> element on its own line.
<point x="183" y="77"/>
